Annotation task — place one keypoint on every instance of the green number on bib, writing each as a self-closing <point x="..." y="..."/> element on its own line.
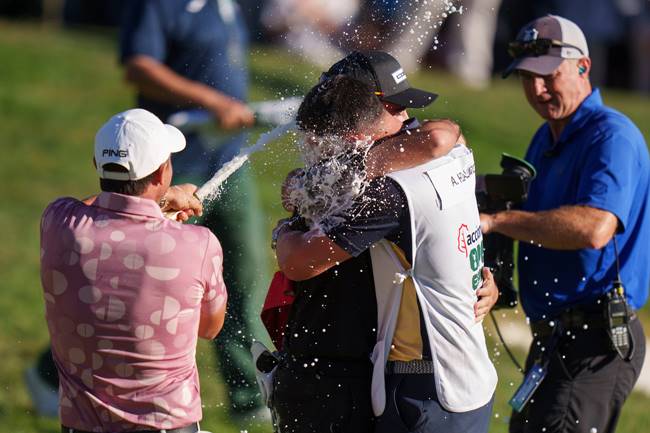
<point x="475" y="258"/>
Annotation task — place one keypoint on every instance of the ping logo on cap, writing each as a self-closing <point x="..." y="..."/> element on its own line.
<point x="399" y="75"/>
<point x="120" y="153"/>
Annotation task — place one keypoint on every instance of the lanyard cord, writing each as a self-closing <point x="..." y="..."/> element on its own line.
<point x="505" y="346"/>
<point x="618" y="268"/>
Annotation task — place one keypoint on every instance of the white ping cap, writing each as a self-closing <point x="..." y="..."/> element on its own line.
<point x="136" y="140"/>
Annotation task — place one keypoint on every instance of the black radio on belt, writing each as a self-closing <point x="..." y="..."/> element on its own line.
<point x="618" y="317"/>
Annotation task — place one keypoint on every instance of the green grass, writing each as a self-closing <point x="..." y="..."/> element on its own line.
<point x="57" y="87"/>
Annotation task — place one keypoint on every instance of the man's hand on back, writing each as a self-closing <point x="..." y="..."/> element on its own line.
<point x="487" y="295"/>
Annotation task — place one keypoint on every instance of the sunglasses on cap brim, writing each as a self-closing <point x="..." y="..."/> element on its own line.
<point x="536" y="47"/>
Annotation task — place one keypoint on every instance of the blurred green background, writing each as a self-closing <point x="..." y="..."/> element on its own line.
<point x="58" y="86"/>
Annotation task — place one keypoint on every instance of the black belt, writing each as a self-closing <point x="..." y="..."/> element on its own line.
<point x="192" y="428"/>
<point x="417" y="366"/>
<point x="579" y="318"/>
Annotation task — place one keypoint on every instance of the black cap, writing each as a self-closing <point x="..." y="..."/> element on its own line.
<point x="382" y="72"/>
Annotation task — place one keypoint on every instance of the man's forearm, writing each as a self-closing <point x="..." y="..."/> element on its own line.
<point x="301" y="256"/>
<point x="157" y="81"/>
<point x="432" y="140"/>
<point x="564" y="228"/>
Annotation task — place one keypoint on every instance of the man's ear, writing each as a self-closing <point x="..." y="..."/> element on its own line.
<point x="159" y="174"/>
<point x="584" y="67"/>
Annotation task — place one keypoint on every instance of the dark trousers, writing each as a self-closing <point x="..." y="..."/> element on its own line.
<point x="412" y="406"/>
<point x="306" y="401"/>
<point x="585" y="387"/>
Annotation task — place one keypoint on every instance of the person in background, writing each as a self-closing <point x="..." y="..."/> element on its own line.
<point x="471" y="54"/>
<point x="128" y="291"/>
<point x="310" y="28"/>
<point x="583" y="232"/>
<point x="193" y="53"/>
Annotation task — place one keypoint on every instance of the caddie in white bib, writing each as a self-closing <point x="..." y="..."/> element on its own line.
<point x="447" y="261"/>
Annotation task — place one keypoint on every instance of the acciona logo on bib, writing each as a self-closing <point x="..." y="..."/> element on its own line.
<point x="462" y="243"/>
<point x="467" y="239"/>
<point x="470" y="244"/>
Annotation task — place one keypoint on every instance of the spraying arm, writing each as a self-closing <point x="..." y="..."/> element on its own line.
<point x="159" y="82"/>
<point x="181" y="200"/>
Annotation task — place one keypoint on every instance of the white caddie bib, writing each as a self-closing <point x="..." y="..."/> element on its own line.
<point x="447" y="252"/>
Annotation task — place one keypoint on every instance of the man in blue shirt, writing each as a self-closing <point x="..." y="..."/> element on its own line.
<point x="591" y="198"/>
<point x="182" y="54"/>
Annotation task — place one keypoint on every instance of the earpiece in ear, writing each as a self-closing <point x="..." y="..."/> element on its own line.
<point x="581" y="70"/>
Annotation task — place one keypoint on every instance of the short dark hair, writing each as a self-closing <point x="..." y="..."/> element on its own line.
<point x="126" y="187"/>
<point x="338" y="105"/>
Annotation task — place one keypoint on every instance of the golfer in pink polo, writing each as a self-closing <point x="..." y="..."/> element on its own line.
<point x="127" y="291"/>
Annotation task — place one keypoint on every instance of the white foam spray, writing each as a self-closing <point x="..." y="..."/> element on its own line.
<point x="333" y="179"/>
<point x="212" y="188"/>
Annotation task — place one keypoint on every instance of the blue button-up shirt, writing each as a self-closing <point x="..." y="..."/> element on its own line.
<point x="601" y="160"/>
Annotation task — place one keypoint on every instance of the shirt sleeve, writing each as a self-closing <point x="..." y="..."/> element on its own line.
<point x="215" y="294"/>
<point x="376" y="215"/>
<point x="56" y="211"/>
<point x="607" y="178"/>
<point x="142" y="30"/>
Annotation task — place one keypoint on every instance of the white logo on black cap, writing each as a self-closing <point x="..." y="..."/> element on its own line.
<point x="399" y="75"/>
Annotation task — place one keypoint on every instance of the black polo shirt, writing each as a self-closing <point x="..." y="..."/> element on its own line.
<point x="334" y="315"/>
